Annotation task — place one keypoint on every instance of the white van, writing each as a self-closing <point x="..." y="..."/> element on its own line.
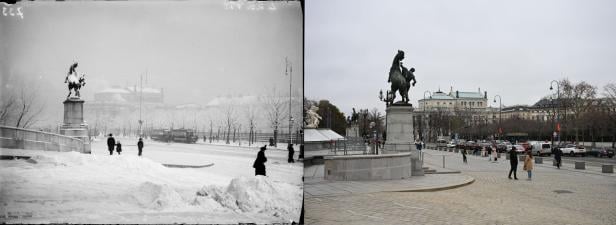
<point x="541" y="148"/>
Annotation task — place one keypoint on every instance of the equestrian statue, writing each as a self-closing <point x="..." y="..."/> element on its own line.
<point x="400" y="78"/>
<point x="74" y="82"/>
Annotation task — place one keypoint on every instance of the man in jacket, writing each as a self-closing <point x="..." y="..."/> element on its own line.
<point x="110" y="144"/>
<point x="291" y="153"/>
<point x="557" y="157"/>
<point x="513" y="160"/>
<point x="140" y="145"/>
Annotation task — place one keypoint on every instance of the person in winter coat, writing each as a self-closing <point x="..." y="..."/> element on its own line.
<point x="110" y="144"/>
<point x="513" y="159"/>
<point x="557" y="157"/>
<point x="119" y="147"/>
<point x="140" y="145"/>
<point x="259" y="163"/>
<point x="528" y="164"/>
<point x="301" y="151"/>
<point x="291" y="153"/>
<point x="494" y="154"/>
<point x="463" y="156"/>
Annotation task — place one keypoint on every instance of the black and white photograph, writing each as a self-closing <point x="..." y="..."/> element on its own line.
<point x="150" y="112"/>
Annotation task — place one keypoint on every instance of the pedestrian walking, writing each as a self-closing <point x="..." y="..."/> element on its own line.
<point x="489" y="150"/>
<point x="301" y="151"/>
<point x="463" y="156"/>
<point x="110" y="144"/>
<point x="494" y="154"/>
<point x="557" y="157"/>
<point x="259" y="163"/>
<point x="140" y="145"/>
<point x="513" y="160"/>
<point x="291" y="153"/>
<point x="528" y="164"/>
<point x="119" y="147"/>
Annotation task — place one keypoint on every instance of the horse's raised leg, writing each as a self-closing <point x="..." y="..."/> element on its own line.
<point x="69" y="93"/>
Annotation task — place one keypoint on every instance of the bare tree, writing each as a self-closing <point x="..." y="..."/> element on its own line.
<point x="609" y="104"/>
<point x="578" y="97"/>
<point x="275" y="107"/>
<point x="7" y="106"/>
<point x="230" y="118"/>
<point x="251" y="116"/>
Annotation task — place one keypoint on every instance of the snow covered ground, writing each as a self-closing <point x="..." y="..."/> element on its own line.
<point x="69" y="187"/>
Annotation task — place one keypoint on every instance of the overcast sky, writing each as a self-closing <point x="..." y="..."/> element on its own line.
<point x="195" y="50"/>
<point x="510" y="48"/>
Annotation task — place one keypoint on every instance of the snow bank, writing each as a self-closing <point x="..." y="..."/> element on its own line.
<point x="257" y="195"/>
<point x="157" y="196"/>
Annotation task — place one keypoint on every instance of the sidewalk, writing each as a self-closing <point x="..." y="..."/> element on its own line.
<point x="315" y="186"/>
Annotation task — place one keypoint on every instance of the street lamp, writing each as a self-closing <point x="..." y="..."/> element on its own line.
<point x="500" y="110"/>
<point x="425" y="113"/>
<point x="555" y="118"/>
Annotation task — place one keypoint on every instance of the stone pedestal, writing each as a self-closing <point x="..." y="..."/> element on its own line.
<point x="400" y="136"/>
<point x="352" y="131"/>
<point x="74" y="125"/>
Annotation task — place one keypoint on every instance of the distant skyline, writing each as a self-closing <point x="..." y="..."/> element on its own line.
<point x="513" y="49"/>
<point x="195" y="50"/>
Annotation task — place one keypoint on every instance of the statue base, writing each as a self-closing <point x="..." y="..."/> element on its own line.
<point x="74" y="125"/>
<point x="400" y="136"/>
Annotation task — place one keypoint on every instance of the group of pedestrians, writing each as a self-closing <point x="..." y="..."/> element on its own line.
<point x="117" y="146"/>
<point x="528" y="164"/>
<point x="259" y="163"/>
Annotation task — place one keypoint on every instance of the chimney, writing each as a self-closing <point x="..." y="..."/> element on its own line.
<point x="485" y="94"/>
<point x="457" y="94"/>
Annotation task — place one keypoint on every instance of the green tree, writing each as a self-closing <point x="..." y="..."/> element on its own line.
<point x="332" y="117"/>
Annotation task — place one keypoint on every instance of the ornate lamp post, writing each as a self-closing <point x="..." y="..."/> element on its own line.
<point x="555" y="118"/>
<point x="386" y="100"/>
<point x="425" y="114"/>
<point x="500" y="110"/>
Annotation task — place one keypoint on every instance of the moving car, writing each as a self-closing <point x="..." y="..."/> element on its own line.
<point x="601" y="152"/>
<point x="574" y="150"/>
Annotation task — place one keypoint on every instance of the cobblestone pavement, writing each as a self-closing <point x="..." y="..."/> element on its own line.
<point x="552" y="197"/>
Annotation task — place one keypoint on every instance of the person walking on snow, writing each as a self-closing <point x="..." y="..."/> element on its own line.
<point x="513" y="160"/>
<point x="119" y="147"/>
<point x="291" y="153"/>
<point x="140" y="145"/>
<point x="528" y="164"/>
<point x="259" y="163"/>
<point x="110" y="144"/>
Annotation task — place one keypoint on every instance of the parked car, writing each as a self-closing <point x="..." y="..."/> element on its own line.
<point x="574" y="150"/>
<point x="541" y="148"/>
<point x="526" y="145"/>
<point x="441" y="143"/>
<point x="471" y="145"/>
<point x="518" y="148"/>
<point x="451" y="144"/>
<point x="601" y="152"/>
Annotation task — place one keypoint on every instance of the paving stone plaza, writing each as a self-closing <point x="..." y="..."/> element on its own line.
<point x="565" y="196"/>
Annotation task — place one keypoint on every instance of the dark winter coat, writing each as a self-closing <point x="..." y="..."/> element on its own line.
<point x="513" y="157"/>
<point x="557" y="154"/>
<point x="119" y="147"/>
<point x="259" y="163"/>
<point x="291" y="153"/>
<point x="301" y="151"/>
<point x="140" y="145"/>
<point x="110" y="143"/>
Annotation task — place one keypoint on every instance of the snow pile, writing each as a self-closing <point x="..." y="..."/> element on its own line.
<point x="156" y="196"/>
<point x="257" y="195"/>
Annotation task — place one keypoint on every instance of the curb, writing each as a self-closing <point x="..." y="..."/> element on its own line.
<point x="468" y="181"/>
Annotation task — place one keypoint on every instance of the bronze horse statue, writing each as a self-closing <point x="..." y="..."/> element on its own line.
<point x="400" y="79"/>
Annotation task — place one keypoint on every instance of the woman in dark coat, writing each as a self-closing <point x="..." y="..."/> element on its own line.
<point x="259" y="163"/>
<point x="291" y="153"/>
<point x="513" y="159"/>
